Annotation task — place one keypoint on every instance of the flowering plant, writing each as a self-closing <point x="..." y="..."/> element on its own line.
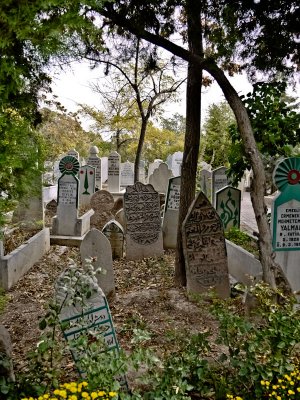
<point x="76" y="391"/>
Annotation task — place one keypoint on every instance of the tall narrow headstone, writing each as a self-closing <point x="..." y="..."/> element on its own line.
<point x="113" y="178"/>
<point x="228" y="206"/>
<point x="205" y="182"/>
<point x="96" y="245"/>
<point x="104" y="169"/>
<point x="115" y="234"/>
<point x="204" y="249"/>
<point x="219" y="180"/>
<point x="127" y="173"/>
<point x="160" y="178"/>
<point x="86" y="184"/>
<point x="286" y="219"/>
<point x="95" y="162"/>
<point x="171" y="213"/>
<point x="67" y="198"/>
<point x="143" y="223"/>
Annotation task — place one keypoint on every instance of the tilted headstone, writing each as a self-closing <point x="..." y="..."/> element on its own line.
<point x="160" y="178"/>
<point x="115" y="234"/>
<point x="127" y="173"/>
<point x="86" y="184"/>
<point x="174" y="162"/>
<point x="206" y="182"/>
<point x="143" y="223"/>
<point x="102" y="203"/>
<point x="219" y="180"/>
<point x="152" y="166"/>
<point x="96" y="245"/>
<point x="73" y="153"/>
<point x="90" y="317"/>
<point x="113" y="179"/>
<point x="228" y="206"/>
<point x="95" y="162"/>
<point x="286" y="219"/>
<point x="171" y="213"/>
<point x="204" y="249"/>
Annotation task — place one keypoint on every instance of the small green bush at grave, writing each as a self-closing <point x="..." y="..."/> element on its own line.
<point x="244" y="359"/>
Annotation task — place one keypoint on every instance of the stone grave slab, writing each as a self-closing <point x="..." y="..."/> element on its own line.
<point x="102" y="202"/>
<point x="115" y="234"/>
<point x="120" y="218"/>
<point x="104" y="169"/>
<point x="286" y="219"/>
<point x="171" y="213"/>
<point x="174" y="162"/>
<point x="96" y="245"/>
<point x="228" y="206"/>
<point x="160" y="178"/>
<point x="204" y="249"/>
<point x="87" y="176"/>
<point x="219" y="180"/>
<point x="143" y="222"/>
<point x="152" y="166"/>
<point x="95" y="161"/>
<point x="113" y="178"/>
<point x="90" y="317"/>
<point x="206" y="182"/>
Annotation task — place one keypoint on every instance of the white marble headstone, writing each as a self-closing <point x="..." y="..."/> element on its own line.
<point x="95" y="162"/>
<point x="160" y="178"/>
<point x="113" y="178"/>
<point x="171" y="213"/>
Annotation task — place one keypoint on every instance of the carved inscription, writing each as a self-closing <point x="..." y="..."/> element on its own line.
<point x="142" y="213"/>
<point x="114" y="164"/>
<point x="67" y="193"/>
<point x="204" y="248"/>
<point x="96" y="163"/>
<point x="174" y="197"/>
<point x="288" y="226"/>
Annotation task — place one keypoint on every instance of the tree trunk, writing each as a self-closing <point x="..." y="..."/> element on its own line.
<point x="192" y="134"/>
<point x="139" y="150"/>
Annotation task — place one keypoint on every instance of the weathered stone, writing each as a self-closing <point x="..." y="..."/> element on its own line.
<point x="96" y="245"/>
<point x="6" y="365"/>
<point x="171" y="213"/>
<point x="120" y="217"/>
<point x="174" y="162"/>
<point x="204" y="249"/>
<point x="219" y="180"/>
<point x="102" y="203"/>
<point x="143" y="223"/>
<point x="115" y="234"/>
<point x="160" y="178"/>
<point x="205" y="182"/>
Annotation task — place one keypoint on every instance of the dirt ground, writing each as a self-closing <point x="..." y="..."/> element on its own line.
<point x="146" y="298"/>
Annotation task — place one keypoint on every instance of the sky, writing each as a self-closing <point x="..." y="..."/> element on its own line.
<point x="72" y="87"/>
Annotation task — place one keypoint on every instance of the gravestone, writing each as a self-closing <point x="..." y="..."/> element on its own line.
<point x="142" y="172"/>
<point x="171" y="213"/>
<point x="86" y="184"/>
<point x="204" y="249"/>
<point x="206" y="182"/>
<point x="115" y="234"/>
<point x="143" y="223"/>
<point x="228" y="206"/>
<point x="6" y="365"/>
<point x="102" y="202"/>
<point x="219" y="180"/>
<point x="90" y="317"/>
<point x="127" y="173"/>
<point x="286" y="219"/>
<point x="152" y="166"/>
<point x="174" y="162"/>
<point x="113" y="179"/>
<point x="73" y="153"/>
<point x="104" y="169"/>
<point x="160" y="178"/>
<point x="96" y="245"/>
<point x="95" y="161"/>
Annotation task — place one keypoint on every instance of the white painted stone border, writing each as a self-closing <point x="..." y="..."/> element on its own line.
<point x="242" y="265"/>
<point x="14" y="265"/>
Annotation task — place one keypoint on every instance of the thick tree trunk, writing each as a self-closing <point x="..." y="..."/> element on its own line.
<point x="192" y="134"/>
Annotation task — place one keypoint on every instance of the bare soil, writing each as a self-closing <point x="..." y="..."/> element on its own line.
<point x="146" y="298"/>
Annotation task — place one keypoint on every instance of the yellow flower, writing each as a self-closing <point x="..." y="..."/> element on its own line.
<point x="262" y="383"/>
<point x="292" y="383"/>
<point x="101" y="393"/>
<point x="291" y="391"/>
<point x="94" y="395"/>
<point x="84" y="395"/>
<point x="278" y="398"/>
<point x="112" y="394"/>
